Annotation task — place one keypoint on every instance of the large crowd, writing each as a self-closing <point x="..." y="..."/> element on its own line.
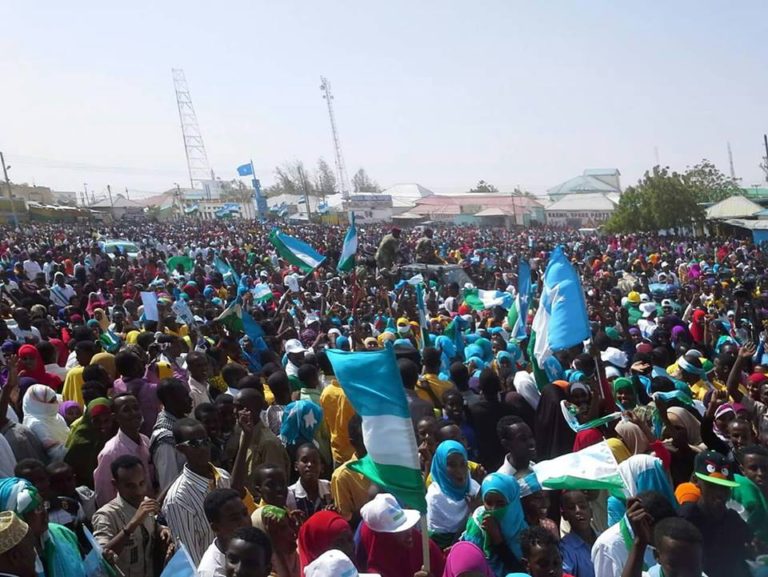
<point x="178" y="406"/>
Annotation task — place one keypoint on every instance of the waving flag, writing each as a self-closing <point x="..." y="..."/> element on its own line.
<point x="415" y="280"/>
<point x="519" y="312"/>
<point x="480" y="299"/>
<point x="372" y="383"/>
<point x="561" y="321"/>
<point x="180" y="565"/>
<point x="245" y="169"/>
<point x="593" y="467"/>
<point x="348" y="251"/>
<point x="262" y="293"/>
<point x="296" y="252"/>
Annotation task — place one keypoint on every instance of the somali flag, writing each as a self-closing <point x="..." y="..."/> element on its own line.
<point x="349" y="249"/>
<point x="180" y="565"/>
<point x="245" y="170"/>
<point x="561" y="321"/>
<point x="480" y="299"/>
<point x="372" y="383"/>
<point x="296" y="252"/>
<point x="518" y="313"/>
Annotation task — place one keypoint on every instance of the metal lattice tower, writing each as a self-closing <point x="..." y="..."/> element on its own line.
<point x="197" y="159"/>
<point x="341" y="169"/>
<point x="730" y="162"/>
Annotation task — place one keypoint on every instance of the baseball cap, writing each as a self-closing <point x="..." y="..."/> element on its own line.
<point x="385" y="515"/>
<point x="712" y="467"/>
<point x="666" y="303"/>
<point x="633" y="297"/>
<point x="334" y="563"/>
<point x="294" y="346"/>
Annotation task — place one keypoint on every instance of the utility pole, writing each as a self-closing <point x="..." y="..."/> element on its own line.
<point x="85" y="194"/>
<point x="765" y="158"/>
<point x="730" y="162"/>
<point x="109" y="193"/>
<point x="303" y="178"/>
<point x="10" y="196"/>
<point x="126" y="193"/>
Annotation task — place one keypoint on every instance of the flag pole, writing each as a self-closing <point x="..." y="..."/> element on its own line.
<point x="424" y="544"/>
<point x="255" y="191"/>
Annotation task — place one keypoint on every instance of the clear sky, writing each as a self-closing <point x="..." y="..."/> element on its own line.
<point x="442" y="93"/>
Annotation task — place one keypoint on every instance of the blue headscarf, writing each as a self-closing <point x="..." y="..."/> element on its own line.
<point x="440" y="474"/>
<point x="300" y="421"/>
<point x="473" y="351"/>
<point x="506" y="356"/>
<point x="341" y="341"/>
<point x="18" y="495"/>
<point x="516" y="352"/>
<point x="640" y="473"/>
<point x="447" y="350"/>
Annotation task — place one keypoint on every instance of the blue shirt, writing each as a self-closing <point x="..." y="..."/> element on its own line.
<point x="577" y="556"/>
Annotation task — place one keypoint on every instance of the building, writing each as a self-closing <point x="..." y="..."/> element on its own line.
<point x="592" y="181"/>
<point x="118" y="207"/>
<point x="582" y="210"/>
<point x="733" y="207"/>
<point x="369" y="207"/>
<point x="40" y="194"/>
<point x="494" y="209"/>
<point x="405" y="196"/>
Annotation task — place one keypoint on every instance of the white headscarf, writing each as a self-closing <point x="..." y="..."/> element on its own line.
<point x="41" y="415"/>
<point x="525" y="384"/>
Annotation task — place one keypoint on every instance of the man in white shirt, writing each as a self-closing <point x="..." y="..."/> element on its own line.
<point x="61" y="292"/>
<point x="23" y="329"/>
<point x="31" y="267"/>
<point x="611" y="550"/>
<point x="226" y="513"/>
<point x="517" y="439"/>
<point x="198" y="367"/>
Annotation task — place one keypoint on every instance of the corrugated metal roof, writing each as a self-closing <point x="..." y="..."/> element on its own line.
<point x="584" y="201"/>
<point x="733" y="207"/>
<point x="748" y="224"/>
<point x="582" y="184"/>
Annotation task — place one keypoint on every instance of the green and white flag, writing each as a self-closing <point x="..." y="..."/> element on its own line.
<point x="296" y="252"/>
<point x="570" y="414"/>
<point x="372" y="383"/>
<point x="593" y="467"/>
<point x="262" y="293"/>
<point x="480" y="299"/>
<point x="349" y="249"/>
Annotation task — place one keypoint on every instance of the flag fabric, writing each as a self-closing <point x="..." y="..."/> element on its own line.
<point x="296" y="252"/>
<point x="372" y="383"/>
<point x="349" y="249"/>
<point x="561" y="320"/>
<point x="232" y="317"/>
<point x="180" y="565"/>
<point x="480" y="299"/>
<point x="245" y="170"/>
<point x="262" y="293"/>
<point x="94" y="563"/>
<point x="227" y="272"/>
<point x="250" y="326"/>
<point x="455" y="332"/>
<point x="186" y="262"/>
<point x="415" y="280"/>
<point x="422" y="309"/>
<point x="570" y="415"/>
<point x="593" y="467"/>
<point x="518" y="313"/>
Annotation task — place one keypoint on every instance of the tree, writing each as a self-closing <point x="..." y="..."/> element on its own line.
<point x="660" y="200"/>
<point x="291" y="178"/>
<point x="361" y="182"/>
<point x="709" y="184"/>
<point x="520" y="192"/>
<point x="483" y="186"/>
<point x="325" y="180"/>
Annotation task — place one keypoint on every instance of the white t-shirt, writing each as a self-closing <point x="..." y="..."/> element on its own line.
<point x="610" y="554"/>
<point x="31" y="269"/>
<point x="213" y="562"/>
<point x="22" y="334"/>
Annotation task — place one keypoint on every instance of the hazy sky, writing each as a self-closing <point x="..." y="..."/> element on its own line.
<point x="442" y="93"/>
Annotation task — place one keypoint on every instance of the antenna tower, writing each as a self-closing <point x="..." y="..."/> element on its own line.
<point x="341" y="169"/>
<point x="197" y="159"/>
<point x="730" y="161"/>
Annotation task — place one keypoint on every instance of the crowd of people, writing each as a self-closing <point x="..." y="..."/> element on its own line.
<point x="180" y="403"/>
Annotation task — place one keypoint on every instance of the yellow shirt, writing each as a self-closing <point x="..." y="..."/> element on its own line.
<point x="337" y="411"/>
<point x="349" y="490"/>
<point x="437" y="385"/>
<point x="73" y="386"/>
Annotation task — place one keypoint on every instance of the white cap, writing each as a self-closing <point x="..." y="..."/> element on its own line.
<point x="644" y="298"/>
<point x="615" y="356"/>
<point x="294" y="346"/>
<point x="385" y="515"/>
<point x="333" y="563"/>
<point x="666" y="303"/>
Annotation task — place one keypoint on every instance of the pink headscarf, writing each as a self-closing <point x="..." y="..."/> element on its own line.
<point x="466" y="557"/>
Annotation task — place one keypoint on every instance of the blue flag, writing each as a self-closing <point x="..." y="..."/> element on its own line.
<point x="180" y="564"/>
<point x="245" y="170"/>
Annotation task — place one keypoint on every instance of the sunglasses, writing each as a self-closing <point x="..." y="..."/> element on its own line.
<point x="196" y="443"/>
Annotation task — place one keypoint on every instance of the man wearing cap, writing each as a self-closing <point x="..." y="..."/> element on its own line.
<point x="17" y="547"/>
<point x="726" y="535"/>
<point x="632" y="305"/>
<point x="295" y="351"/>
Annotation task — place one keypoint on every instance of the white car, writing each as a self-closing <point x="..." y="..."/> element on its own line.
<point x="125" y="247"/>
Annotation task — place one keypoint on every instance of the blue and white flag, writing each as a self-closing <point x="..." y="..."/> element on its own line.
<point x="561" y="321"/>
<point x="180" y="565"/>
<point x="518" y="314"/>
<point x="245" y="170"/>
<point x="349" y="249"/>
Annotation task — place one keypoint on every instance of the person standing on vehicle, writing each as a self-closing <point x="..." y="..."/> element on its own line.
<point x="388" y="249"/>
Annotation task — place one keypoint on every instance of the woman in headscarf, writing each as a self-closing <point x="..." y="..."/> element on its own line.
<point x="323" y="531"/>
<point x="107" y="361"/>
<point x="447" y="350"/>
<point x="449" y="494"/>
<point x="640" y="473"/>
<point x="300" y="424"/>
<point x="281" y="530"/>
<point x="94" y="302"/>
<point x="71" y="411"/>
<point x="466" y="558"/>
<point x="496" y="526"/>
<point x="618" y="449"/>
<point x="553" y="435"/>
<point x="109" y="341"/>
<point x="87" y="439"/>
<point x="57" y="547"/>
<point x="31" y="365"/>
<point x="525" y="384"/>
<point x="696" y="328"/>
<point x="682" y="438"/>
<point x="41" y="416"/>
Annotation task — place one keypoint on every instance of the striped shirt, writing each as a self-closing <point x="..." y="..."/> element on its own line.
<point x="183" y="510"/>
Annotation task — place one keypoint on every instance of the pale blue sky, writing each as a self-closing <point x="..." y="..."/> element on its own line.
<point x="443" y="93"/>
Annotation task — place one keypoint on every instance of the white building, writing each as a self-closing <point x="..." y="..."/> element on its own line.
<point x="588" y="210"/>
<point x="405" y="196"/>
<point x="369" y="207"/>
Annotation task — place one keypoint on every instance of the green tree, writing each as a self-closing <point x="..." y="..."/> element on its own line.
<point x="361" y="182"/>
<point x="662" y="199"/>
<point x="709" y="184"/>
<point x="325" y="180"/>
<point x="483" y="186"/>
